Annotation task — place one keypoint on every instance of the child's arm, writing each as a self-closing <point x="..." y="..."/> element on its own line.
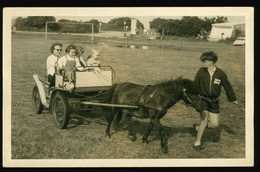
<point x="228" y="88"/>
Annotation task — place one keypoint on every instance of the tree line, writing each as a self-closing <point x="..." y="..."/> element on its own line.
<point x="38" y="23"/>
<point x="188" y="26"/>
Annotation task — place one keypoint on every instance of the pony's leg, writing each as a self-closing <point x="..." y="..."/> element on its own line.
<point x="147" y="133"/>
<point x="149" y="129"/>
<point x="118" y="117"/>
<point x="158" y="126"/>
<point x="110" y="118"/>
<point x="131" y="132"/>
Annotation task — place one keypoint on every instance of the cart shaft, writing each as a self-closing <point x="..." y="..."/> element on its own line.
<point x="111" y="105"/>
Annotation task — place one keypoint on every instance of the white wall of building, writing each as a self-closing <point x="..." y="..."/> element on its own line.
<point x="133" y="26"/>
<point x="221" y="31"/>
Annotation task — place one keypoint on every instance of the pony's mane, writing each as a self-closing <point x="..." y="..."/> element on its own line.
<point x="190" y="86"/>
<point x="179" y="83"/>
<point x="168" y="82"/>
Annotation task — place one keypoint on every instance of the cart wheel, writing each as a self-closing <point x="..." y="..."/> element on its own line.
<point x="36" y="100"/>
<point x="60" y="110"/>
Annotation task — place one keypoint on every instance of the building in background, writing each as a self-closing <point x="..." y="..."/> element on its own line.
<point x="133" y="26"/>
<point x="223" y="31"/>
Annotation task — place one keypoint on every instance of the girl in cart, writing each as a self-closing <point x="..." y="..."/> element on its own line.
<point x="68" y="63"/>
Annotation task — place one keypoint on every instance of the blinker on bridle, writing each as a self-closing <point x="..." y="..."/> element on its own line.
<point x="185" y="96"/>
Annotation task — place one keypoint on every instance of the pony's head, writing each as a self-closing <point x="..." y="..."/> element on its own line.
<point x="191" y="95"/>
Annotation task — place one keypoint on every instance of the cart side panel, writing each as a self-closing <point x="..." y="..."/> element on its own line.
<point x="93" y="81"/>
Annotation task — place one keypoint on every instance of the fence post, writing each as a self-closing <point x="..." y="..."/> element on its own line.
<point x="46" y="23"/>
<point x="92" y="40"/>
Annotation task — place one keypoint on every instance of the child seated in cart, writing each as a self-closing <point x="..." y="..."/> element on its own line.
<point x="68" y="64"/>
<point x="80" y="51"/>
<point x="93" y="60"/>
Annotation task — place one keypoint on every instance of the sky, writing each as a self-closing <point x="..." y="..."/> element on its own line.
<point x="143" y="19"/>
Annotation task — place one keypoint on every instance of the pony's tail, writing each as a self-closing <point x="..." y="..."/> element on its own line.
<point x="110" y="93"/>
<point x="108" y="97"/>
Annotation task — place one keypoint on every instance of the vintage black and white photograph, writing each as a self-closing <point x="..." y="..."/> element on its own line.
<point x="128" y="87"/>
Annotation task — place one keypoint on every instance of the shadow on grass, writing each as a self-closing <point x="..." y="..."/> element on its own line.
<point x="209" y="135"/>
<point x="98" y="116"/>
<point x="87" y="117"/>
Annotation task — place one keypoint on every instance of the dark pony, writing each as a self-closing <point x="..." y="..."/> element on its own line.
<point x="152" y="102"/>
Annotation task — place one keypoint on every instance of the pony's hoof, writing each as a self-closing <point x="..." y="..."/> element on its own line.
<point x="165" y="150"/>
<point x="145" y="141"/>
<point x="108" y="136"/>
<point x="132" y="138"/>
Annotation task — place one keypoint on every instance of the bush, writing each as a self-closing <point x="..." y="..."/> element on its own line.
<point x="188" y="26"/>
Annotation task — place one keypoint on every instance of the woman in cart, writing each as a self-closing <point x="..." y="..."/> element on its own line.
<point x="69" y="63"/>
<point x="209" y="80"/>
<point x="51" y="62"/>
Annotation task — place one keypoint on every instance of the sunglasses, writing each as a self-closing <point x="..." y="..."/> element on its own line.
<point x="58" y="49"/>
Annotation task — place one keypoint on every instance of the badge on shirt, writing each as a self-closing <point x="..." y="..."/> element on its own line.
<point x="217" y="81"/>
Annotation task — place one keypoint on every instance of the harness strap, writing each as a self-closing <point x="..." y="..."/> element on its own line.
<point x="145" y="104"/>
<point x="141" y="92"/>
<point x="151" y="96"/>
<point x="155" y="91"/>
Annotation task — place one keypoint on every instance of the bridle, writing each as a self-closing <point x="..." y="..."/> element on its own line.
<point x="186" y="97"/>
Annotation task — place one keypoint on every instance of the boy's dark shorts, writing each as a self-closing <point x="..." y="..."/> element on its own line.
<point x="211" y="105"/>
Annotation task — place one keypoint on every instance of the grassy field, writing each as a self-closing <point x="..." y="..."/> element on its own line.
<point x="36" y="137"/>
